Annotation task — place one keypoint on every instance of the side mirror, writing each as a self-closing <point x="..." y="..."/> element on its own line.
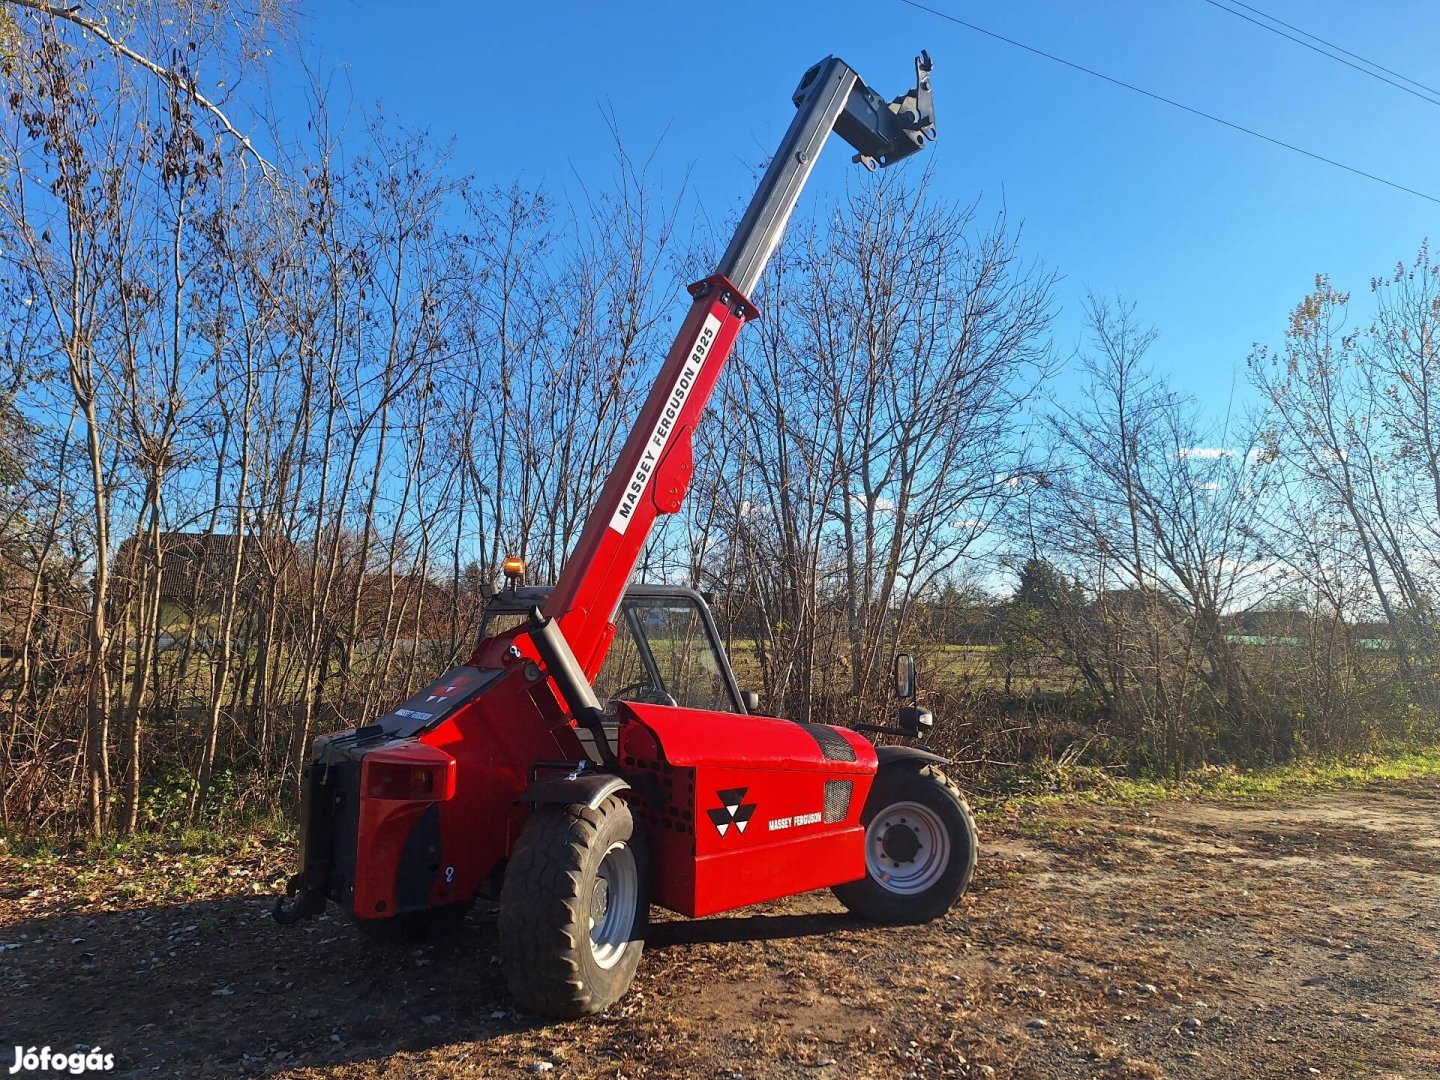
<point x="915" y="721"/>
<point x="904" y="676"/>
<point x="751" y="700"/>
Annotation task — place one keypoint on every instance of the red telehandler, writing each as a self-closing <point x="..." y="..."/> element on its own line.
<point x="508" y="776"/>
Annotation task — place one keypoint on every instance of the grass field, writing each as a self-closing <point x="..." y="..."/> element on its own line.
<point x="972" y="667"/>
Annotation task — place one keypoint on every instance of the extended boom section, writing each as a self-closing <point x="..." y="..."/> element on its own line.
<point x="655" y="465"/>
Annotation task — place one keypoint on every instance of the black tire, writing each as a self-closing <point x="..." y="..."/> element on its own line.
<point x="551" y="908"/>
<point x="410" y="927"/>
<point x="926" y="881"/>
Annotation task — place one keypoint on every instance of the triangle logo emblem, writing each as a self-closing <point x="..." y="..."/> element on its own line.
<point x="733" y="810"/>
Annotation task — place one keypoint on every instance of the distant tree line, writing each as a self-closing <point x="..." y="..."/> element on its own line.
<point x="1256" y="589"/>
<point x="269" y="423"/>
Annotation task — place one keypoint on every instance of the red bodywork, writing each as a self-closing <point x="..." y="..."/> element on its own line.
<point x="738" y="809"/>
<point x="651" y="476"/>
<point x="747" y="817"/>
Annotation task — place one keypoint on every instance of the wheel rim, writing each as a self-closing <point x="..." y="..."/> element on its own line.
<point x="612" y="904"/>
<point x="906" y="848"/>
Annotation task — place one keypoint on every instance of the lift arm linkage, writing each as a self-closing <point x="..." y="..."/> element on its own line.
<point x="655" y="465"/>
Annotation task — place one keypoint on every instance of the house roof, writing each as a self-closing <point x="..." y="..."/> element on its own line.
<point x="199" y="564"/>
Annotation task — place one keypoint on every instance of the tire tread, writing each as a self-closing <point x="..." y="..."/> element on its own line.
<point x="541" y="908"/>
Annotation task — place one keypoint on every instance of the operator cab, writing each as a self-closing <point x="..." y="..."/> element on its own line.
<point x="666" y="649"/>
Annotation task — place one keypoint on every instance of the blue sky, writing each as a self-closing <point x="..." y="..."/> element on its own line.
<point x="1213" y="234"/>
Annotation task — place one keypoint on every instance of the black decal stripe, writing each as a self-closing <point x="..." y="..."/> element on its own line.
<point x="833" y="745"/>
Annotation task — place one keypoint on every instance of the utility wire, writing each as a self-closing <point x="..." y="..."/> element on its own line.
<point x="1171" y="102"/>
<point x="1429" y="97"/>
<point x="1337" y="48"/>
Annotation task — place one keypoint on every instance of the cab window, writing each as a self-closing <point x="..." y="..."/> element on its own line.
<point x="663" y="653"/>
<point x="628" y="674"/>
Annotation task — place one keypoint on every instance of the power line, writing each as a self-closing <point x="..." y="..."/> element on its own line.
<point x="1428" y="97"/>
<point x="1337" y="48"/>
<point x="1173" y="103"/>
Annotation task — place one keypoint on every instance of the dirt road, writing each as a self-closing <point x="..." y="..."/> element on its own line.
<point x="1189" y="940"/>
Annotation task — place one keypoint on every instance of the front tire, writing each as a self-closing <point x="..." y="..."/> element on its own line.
<point x="920" y="847"/>
<point x="574" y="908"/>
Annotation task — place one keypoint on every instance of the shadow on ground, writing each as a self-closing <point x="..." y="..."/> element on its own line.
<point x="721" y="930"/>
<point x="217" y="988"/>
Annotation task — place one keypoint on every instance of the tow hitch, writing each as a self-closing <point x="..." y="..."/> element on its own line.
<point x="307" y="903"/>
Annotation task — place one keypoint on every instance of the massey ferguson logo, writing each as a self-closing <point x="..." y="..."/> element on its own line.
<point x="734" y="811"/>
<point x="665" y="425"/>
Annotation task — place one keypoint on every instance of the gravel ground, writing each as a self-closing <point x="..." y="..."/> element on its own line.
<point x="1187" y="940"/>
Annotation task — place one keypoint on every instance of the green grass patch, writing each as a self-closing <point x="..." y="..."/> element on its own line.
<point x="54" y="875"/>
<point x="1228" y="784"/>
<point x="191" y="842"/>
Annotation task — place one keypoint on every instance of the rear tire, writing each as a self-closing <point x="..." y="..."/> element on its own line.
<point x="574" y="908"/>
<point x="920" y="847"/>
<point x="410" y="927"/>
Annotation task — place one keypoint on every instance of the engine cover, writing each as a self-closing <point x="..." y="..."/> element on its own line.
<point x="741" y="809"/>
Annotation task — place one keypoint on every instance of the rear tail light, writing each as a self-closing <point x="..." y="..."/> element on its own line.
<point x="408" y="781"/>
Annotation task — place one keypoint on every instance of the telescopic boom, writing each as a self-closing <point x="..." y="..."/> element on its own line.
<point x="655" y="465"/>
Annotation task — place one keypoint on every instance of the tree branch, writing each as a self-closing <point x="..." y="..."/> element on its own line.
<point x="73" y="16"/>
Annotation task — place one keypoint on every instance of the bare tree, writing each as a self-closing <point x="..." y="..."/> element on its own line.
<point x="1149" y="508"/>
<point x="879" y="403"/>
<point x="1350" y="419"/>
<point x="120" y="24"/>
<point x="93" y="149"/>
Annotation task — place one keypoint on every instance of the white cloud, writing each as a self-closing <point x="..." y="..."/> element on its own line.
<point x="882" y="504"/>
<point x="1206" y="453"/>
